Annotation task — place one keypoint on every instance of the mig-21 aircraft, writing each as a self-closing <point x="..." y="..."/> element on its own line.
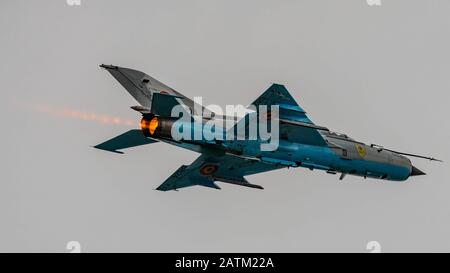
<point x="301" y="143"/>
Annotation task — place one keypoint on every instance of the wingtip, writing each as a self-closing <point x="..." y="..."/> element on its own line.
<point x="165" y="188"/>
<point x="110" y="66"/>
<point x="99" y="147"/>
<point x="274" y="84"/>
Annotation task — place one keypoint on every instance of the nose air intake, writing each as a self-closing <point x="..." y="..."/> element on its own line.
<point x="415" y="171"/>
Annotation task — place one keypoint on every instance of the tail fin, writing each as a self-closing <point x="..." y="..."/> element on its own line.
<point x="146" y="90"/>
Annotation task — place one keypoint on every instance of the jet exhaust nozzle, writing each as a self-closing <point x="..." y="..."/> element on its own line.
<point x="155" y="126"/>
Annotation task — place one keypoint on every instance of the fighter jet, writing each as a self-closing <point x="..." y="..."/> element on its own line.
<point x="301" y="142"/>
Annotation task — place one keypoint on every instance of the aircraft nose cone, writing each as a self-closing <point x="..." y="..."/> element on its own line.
<point x="415" y="171"/>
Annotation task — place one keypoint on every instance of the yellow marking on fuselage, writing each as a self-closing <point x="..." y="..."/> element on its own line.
<point x="361" y="150"/>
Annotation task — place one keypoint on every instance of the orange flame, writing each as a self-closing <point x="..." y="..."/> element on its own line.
<point x="84" y="115"/>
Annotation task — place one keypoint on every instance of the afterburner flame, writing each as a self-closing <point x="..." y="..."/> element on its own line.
<point x="83" y="115"/>
<point x="153" y="125"/>
<point x="149" y="125"/>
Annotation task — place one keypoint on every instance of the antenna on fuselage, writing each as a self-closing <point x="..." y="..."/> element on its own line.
<point x="380" y="148"/>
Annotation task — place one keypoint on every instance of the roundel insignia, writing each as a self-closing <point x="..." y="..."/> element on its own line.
<point x="361" y="150"/>
<point x="208" y="169"/>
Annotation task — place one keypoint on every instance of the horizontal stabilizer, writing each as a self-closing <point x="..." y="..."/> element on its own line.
<point x="129" y="139"/>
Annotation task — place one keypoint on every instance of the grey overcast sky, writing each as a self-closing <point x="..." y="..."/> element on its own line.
<point x="377" y="73"/>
